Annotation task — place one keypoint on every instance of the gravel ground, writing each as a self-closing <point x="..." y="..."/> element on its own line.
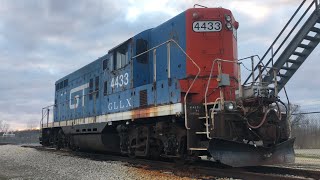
<point x="17" y="162"/>
<point x="313" y="152"/>
<point x="307" y="158"/>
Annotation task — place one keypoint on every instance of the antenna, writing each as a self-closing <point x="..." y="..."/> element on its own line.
<point x="195" y="5"/>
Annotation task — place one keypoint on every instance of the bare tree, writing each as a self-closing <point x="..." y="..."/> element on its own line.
<point x="31" y="125"/>
<point x="1" y="124"/>
<point x="4" y="127"/>
<point x="296" y="117"/>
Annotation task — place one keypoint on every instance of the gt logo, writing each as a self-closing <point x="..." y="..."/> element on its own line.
<point x="76" y="97"/>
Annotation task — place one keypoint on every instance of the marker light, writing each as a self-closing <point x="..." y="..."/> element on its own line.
<point x="229" y="26"/>
<point x="228" y="18"/>
<point x="195" y="15"/>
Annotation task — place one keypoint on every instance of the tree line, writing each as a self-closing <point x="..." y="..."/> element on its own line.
<point x="305" y="127"/>
<point x="4" y="127"/>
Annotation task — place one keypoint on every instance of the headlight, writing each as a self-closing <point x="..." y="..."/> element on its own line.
<point x="230" y="106"/>
<point x="195" y="15"/>
<point x="229" y="26"/>
<point x="228" y="18"/>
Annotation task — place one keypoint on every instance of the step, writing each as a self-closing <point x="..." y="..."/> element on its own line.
<point x="294" y="61"/>
<point x="201" y="133"/>
<point x="299" y="54"/>
<point x="315" y="29"/>
<point x="310" y="38"/>
<point x="278" y="82"/>
<point x="305" y="46"/>
<point x="205" y="124"/>
<point x="210" y="103"/>
<point x="198" y="149"/>
<point x="288" y="68"/>
<point x="282" y="75"/>
<point x="204" y="117"/>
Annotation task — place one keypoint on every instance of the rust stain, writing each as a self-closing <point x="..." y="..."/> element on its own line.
<point x="144" y="113"/>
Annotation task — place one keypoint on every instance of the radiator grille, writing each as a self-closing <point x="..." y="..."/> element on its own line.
<point x="143" y="98"/>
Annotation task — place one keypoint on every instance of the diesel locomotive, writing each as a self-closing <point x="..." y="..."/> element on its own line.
<point x="173" y="91"/>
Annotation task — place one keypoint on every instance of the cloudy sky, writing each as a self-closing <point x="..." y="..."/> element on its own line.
<point x="42" y="41"/>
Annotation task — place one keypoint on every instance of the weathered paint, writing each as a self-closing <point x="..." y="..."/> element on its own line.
<point x="133" y="82"/>
<point x="205" y="47"/>
<point x="172" y="109"/>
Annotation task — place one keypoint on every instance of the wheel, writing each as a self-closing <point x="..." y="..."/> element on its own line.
<point x="132" y="149"/>
<point x="60" y="140"/>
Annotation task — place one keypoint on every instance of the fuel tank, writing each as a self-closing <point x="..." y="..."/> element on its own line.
<point x="98" y="142"/>
<point x="94" y="137"/>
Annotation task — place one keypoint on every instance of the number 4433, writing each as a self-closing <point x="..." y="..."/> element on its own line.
<point x="120" y="80"/>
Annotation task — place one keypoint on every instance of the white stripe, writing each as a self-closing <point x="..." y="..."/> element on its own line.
<point x="172" y="109"/>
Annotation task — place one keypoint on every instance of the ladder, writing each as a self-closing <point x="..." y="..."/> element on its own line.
<point x="199" y="128"/>
<point x="201" y="117"/>
<point x="288" y="51"/>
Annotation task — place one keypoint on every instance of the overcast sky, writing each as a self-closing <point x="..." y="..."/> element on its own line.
<point x="42" y="41"/>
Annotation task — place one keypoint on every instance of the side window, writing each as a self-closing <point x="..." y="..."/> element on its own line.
<point x="142" y="46"/>
<point x="104" y="64"/>
<point x="105" y="88"/>
<point x="112" y="62"/>
<point x="119" y="57"/>
<point x="122" y="58"/>
<point x="97" y="86"/>
<point x="90" y="89"/>
<point x="119" y="60"/>
<point x="61" y="85"/>
<point x="126" y="60"/>
<point x="91" y="84"/>
<point x="65" y="83"/>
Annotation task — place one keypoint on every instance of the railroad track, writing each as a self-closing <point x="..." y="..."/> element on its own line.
<point x="201" y="169"/>
<point x="5" y="143"/>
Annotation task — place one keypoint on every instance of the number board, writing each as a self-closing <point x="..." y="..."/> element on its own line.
<point x="206" y="26"/>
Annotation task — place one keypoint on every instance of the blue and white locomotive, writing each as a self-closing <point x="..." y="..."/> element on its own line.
<point x="170" y="91"/>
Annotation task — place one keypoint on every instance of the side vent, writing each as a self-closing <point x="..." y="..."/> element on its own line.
<point x="143" y="98"/>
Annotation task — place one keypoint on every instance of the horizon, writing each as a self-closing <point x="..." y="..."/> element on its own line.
<point x="42" y="41"/>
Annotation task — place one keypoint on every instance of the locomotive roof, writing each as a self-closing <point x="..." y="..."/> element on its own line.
<point x="104" y="56"/>
<point x="85" y="68"/>
<point x="119" y="45"/>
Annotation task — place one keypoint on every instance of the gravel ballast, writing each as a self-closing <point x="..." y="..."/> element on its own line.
<point x="18" y="162"/>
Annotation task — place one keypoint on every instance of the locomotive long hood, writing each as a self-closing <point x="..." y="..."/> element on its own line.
<point x="238" y="154"/>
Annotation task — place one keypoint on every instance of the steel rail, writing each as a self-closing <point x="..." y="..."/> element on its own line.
<point x="199" y="168"/>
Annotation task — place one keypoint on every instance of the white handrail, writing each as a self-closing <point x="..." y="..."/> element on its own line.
<point x="206" y="93"/>
<point x="199" y="70"/>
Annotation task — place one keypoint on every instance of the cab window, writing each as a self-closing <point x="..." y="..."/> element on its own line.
<point x="119" y="57"/>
